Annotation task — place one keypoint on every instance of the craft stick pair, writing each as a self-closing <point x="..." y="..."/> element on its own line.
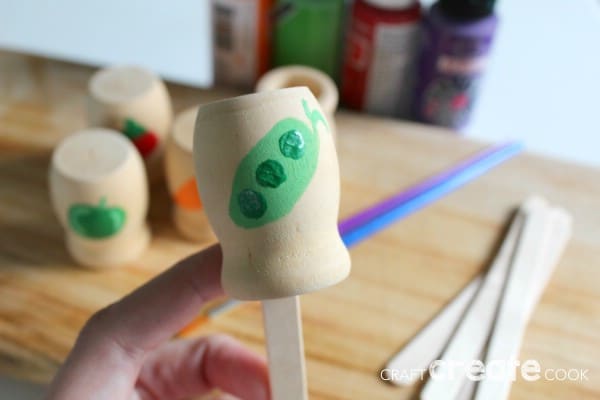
<point x="544" y="239"/>
<point x="430" y="341"/>
<point x="474" y="328"/>
<point x="532" y="247"/>
<point x="479" y="297"/>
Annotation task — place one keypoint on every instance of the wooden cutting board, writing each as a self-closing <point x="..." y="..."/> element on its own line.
<point x="400" y="277"/>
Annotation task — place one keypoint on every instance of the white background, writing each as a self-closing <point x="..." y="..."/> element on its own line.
<point x="170" y="37"/>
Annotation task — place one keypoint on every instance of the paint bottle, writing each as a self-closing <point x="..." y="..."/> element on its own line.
<point x="241" y="45"/>
<point x="308" y="32"/>
<point x="380" y="56"/>
<point x="456" y="43"/>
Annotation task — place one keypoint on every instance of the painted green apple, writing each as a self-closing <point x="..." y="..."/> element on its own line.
<point x="96" y="221"/>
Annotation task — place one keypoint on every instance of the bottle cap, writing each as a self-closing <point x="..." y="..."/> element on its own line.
<point x="467" y="9"/>
<point x="392" y="4"/>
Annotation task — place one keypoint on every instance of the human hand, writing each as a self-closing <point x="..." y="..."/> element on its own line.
<point x="124" y="353"/>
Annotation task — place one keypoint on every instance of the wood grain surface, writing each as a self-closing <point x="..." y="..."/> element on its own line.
<point x="400" y="278"/>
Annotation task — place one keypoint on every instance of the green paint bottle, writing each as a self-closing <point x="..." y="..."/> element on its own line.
<point x="308" y="32"/>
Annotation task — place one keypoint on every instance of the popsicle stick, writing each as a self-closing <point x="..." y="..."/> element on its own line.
<point x="532" y="267"/>
<point x="471" y="335"/>
<point x="467" y="391"/>
<point x="429" y="343"/>
<point x="561" y="228"/>
<point x="285" y="348"/>
<point x="558" y="241"/>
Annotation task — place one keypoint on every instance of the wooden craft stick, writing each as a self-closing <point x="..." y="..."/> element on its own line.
<point x="429" y="343"/>
<point x="558" y="242"/>
<point x="470" y="336"/>
<point x="561" y="223"/>
<point x="467" y="390"/>
<point x="285" y="348"/>
<point x="534" y="261"/>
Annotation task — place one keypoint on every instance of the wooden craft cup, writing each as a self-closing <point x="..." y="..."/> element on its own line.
<point x="101" y="173"/>
<point x="297" y="253"/>
<point x="119" y="93"/>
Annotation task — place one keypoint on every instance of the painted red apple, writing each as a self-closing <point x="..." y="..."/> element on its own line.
<point x="144" y="140"/>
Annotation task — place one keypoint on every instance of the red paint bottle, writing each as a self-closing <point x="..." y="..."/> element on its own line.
<point x="380" y="57"/>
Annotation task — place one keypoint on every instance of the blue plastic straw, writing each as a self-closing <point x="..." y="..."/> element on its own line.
<point x="434" y="193"/>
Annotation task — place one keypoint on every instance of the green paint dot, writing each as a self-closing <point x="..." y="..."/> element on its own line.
<point x="291" y="144"/>
<point x="270" y="173"/>
<point x="132" y="129"/>
<point x="252" y="203"/>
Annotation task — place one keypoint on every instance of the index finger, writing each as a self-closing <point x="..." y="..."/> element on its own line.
<point x="157" y="310"/>
<point x="111" y="347"/>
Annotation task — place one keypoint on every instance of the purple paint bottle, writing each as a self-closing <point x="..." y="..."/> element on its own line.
<point x="457" y="36"/>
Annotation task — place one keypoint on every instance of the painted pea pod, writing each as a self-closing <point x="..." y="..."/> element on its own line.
<point x="267" y="172"/>
<point x="272" y="177"/>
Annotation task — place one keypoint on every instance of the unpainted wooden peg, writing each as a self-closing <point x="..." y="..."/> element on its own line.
<point x="188" y="212"/>
<point x="99" y="192"/>
<point x="135" y="102"/>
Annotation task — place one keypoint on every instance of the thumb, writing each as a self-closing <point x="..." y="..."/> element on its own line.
<point x="186" y="368"/>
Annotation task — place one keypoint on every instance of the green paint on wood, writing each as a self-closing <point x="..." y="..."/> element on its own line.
<point x="132" y="129"/>
<point x="291" y="145"/>
<point x="274" y="174"/>
<point x="270" y="173"/>
<point x="96" y="221"/>
<point x="252" y="204"/>
<point x="315" y="117"/>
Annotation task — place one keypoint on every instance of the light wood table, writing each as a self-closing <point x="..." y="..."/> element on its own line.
<point x="400" y="278"/>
